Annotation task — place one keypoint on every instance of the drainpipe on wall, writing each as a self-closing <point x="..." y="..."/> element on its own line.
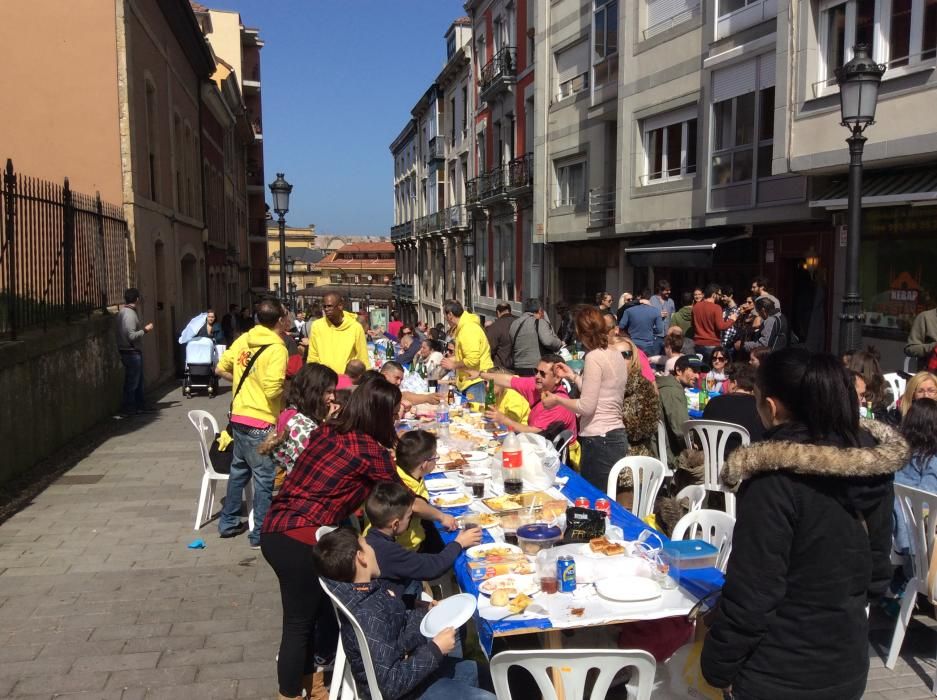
<point x="201" y="176"/>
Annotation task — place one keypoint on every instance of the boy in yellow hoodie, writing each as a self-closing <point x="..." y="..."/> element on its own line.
<point x="472" y="351"/>
<point x="255" y="364"/>
<point x="337" y="337"/>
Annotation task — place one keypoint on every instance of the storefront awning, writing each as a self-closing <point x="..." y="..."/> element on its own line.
<point x="676" y="252"/>
<point x="885" y="188"/>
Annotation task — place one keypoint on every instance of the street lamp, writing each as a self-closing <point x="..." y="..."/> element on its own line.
<point x="280" y="189"/>
<point x="290" y="268"/>
<point x="468" y="252"/>
<point x="859" y="81"/>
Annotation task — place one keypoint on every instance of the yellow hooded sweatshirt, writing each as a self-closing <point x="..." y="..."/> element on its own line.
<point x="334" y="346"/>
<point x="261" y="395"/>
<point x="471" y="349"/>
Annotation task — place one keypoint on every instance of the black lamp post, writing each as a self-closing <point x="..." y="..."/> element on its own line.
<point x="290" y="268"/>
<point x="280" y="189"/>
<point x="468" y="252"/>
<point x="859" y="82"/>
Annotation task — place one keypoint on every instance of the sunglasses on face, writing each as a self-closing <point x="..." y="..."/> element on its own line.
<point x="718" y="358"/>
<point x="541" y="373"/>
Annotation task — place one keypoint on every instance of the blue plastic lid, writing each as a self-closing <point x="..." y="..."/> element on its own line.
<point x="539" y="531"/>
<point x="689" y="549"/>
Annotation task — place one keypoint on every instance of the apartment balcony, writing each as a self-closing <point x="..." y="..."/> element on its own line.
<point x="601" y="208"/>
<point x="456" y="218"/>
<point x="499" y="74"/>
<point x="430" y="224"/>
<point x="436" y="150"/>
<point x="504" y="182"/>
<point x="258" y="129"/>
<point x="401" y="232"/>
<point x="405" y="292"/>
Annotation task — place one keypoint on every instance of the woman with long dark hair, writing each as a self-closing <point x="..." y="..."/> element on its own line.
<point x="919" y="428"/>
<point x="811" y="541"/>
<point x="343" y="460"/>
<point x="602" y="433"/>
<point x="308" y="401"/>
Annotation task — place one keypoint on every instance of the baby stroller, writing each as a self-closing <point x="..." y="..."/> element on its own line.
<point x="201" y="356"/>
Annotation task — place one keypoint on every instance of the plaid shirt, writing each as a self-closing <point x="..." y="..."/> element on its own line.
<point x="729" y="334"/>
<point x="331" y="478"/>
<point x="404" y="660"/>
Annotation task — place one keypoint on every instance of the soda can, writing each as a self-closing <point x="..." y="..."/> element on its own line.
<point x="604" y="505"/>
<point x="566" y="573"/>
<point x="582" y="502"/>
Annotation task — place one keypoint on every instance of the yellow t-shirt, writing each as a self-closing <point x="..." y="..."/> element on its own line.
<point x="413" y="537"/>
<point x="514" y="406"/>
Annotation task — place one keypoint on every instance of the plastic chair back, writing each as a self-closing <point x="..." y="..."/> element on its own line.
<point x="662" y="447"/>
<point x="561" y="443"/>
<point x="713" y="435"/>
<point x="342" y="613"/>
<point x="647" y="474"/>
<point x="711" y="526"/>
<point x="324" y="530"/>
<point x="572" y="667"/>
<point x="897" y="384"/>
<point x="695" y="494"/>
<point x="207" y="428"/>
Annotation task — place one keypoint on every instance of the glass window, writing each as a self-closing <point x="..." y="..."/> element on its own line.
<point x="670" y="150"/>
<point x="674" y="149"/>
<point x="929" y="34"/>
<point x="766" y="115"/>
<point x="899" y="36"/>
<point x="691" y="146"/>
<point x="727" y="6"/>
<point x="570" y="184"/>
<point x="722" y="125"/>
<point x="735" y="157"/>
<point x="835" y="40"/>
<point x="605" y="42"/>
<point x="744" y="119"/>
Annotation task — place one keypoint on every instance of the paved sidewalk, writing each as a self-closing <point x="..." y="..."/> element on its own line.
<point x="100" y="598"/>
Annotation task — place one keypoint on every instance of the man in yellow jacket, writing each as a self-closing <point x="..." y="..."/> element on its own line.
<point x="472" y="351"/>
<point x="255" y="364"/>
<point x="337" y="337"/>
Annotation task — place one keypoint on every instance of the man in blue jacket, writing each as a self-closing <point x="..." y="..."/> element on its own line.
<point x="642" y="323"/>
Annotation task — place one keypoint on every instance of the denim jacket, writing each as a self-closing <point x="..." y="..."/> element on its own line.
<point x="921" y="474"/>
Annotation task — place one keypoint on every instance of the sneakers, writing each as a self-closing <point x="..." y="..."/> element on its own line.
<point x="255" y="546"/>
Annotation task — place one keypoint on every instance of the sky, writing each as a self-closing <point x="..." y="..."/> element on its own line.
<point x="333" y="102"/>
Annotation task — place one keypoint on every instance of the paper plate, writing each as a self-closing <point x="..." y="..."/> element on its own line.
<point x="451" y="500"/>
<point x="628" y="589"/>
<point x="451" y="612"/>
<point x="527" y="584"/>
<point x="481" y="551"/>
<point x="444" y="484"/>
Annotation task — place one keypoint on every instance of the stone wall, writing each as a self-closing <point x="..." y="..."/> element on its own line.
<point x="54" y="386"/>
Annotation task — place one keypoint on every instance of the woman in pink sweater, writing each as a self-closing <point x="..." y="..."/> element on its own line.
<point x="602" y="389"/>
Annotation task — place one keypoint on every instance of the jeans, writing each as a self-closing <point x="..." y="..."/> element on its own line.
<point x="133" y="381"/>
<point x="475" y="393"/>
<point x="599" y="454"/>
<point x="309" y="625"/>
<point x="655" y="347"/>
<point x="459" y="678"/>
<point x="246" y="463"/>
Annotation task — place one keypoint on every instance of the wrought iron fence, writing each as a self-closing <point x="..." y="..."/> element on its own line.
<point x="63" y="253"/>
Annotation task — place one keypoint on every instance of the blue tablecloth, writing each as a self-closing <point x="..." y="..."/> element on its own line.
<point x="698" y="582"/>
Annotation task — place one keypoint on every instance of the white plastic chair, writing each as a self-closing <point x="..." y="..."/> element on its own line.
<point x="711" y="526"/>
<point x="343" y="683"/>
<point x="571" y="667"/>
<point x="919" y="510"/>
<point x="713" y="436"/>
<point x="561" y="443"/>
<point x="207" y="428"/>
<point x="695" y="494"/>
<point x="909" y="365"/>
<point x="647" y="474"/>
<point x="897" y="384"/>
<point x="662" y="448"/>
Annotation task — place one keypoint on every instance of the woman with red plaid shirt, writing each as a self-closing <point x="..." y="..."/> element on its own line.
<point x="333" y="476"/>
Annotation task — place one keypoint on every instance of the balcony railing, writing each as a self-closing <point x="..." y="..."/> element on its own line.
<point x="456" y="217"/>
<point x="401" y="231"/>
<point x="499" y="72"/>
<point x="436" y="149"/>
<point x="431" y="223"/>
<point x="601" y="207"/>
<point x="505" y="180"/>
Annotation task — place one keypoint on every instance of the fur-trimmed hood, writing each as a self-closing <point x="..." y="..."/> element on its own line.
<point x="886" y="455"/>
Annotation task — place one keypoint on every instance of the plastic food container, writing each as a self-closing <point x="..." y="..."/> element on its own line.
<point x="536" y="536"/>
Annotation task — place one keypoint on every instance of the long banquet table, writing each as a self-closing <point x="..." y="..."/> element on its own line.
<point x="693" y="584"/>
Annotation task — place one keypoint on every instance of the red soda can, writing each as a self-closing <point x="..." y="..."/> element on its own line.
<point x="604" y="505"/>
<point x="581" y="502"/>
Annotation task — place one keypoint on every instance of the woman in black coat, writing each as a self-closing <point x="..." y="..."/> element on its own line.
<point x="811" y="541"/>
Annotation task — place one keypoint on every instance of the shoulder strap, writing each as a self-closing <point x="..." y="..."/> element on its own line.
<point x="247" y="370"/>
<point x="518" y="331"/>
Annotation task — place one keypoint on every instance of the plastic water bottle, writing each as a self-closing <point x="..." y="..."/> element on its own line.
<point x="512" y="463"/>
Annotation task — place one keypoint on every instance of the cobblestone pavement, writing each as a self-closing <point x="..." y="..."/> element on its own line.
<point x="100" y="597"/>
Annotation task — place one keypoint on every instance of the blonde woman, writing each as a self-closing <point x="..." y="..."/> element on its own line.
<point x="922" y="385"/>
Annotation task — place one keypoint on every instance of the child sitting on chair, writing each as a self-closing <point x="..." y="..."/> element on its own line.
<point x="390" y="509"/>
<point x="406" y="664"/>
<point x="415" y="455"/>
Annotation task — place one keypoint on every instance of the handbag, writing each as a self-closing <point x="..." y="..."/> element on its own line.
<point x="681" y="676"/>
<point x="221" y="451"/>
